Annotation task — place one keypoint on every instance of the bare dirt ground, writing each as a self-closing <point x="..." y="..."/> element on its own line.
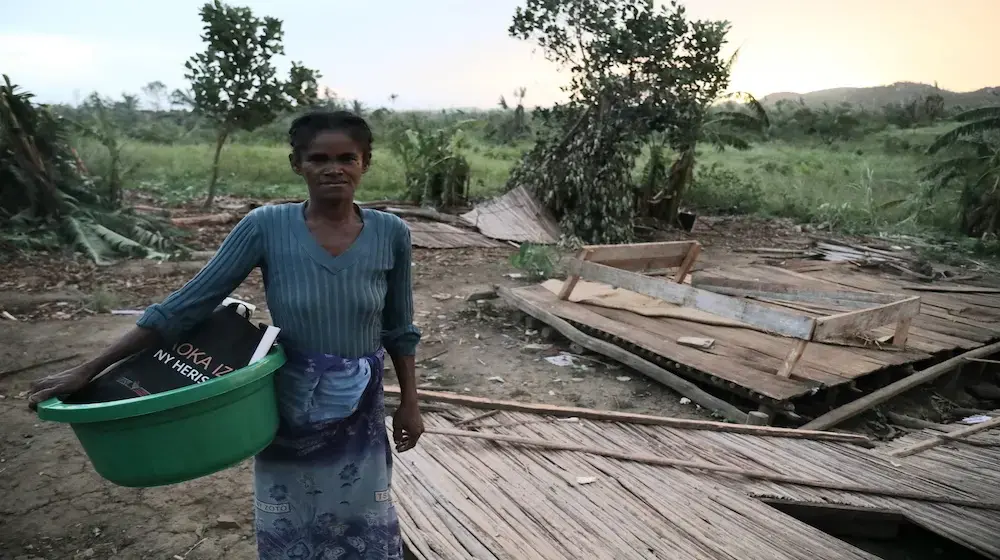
<point x="56" y="507"/>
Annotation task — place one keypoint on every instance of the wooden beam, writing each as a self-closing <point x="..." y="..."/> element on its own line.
<point x="950" y="436"/>
<point x="649" y="369"/>
<point x="570" y="283"/>
<point x="714" y="468"/>
<point x="791" y="292"/>
<point x="641" y="257"/>
<point x="855" y="323"/>
<point x="470" y="401"/>
<point x="902" y="332"/>
<point x="767" y="318"/>
<point x="685" y="267"/>
<point x="793" y="357"/>
<point x="953" y="289"/>
<point x="879" y="396"/>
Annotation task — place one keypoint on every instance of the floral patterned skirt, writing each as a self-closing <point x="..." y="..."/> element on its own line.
<point x="322" y="489"/>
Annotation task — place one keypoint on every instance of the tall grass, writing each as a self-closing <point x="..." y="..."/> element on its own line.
<point x="872" y="184"/>
<point x="180" y="172"/>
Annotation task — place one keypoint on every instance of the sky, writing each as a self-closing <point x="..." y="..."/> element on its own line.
<point x="456" y="53"/>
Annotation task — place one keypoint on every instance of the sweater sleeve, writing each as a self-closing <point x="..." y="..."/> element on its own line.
<point x="238" y="255"/>
<point x="399" y="335"/>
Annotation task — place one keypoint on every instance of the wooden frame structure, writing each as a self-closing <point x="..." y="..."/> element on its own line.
<point x="622" y="266"/>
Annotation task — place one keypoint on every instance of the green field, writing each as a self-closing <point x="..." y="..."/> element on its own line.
<point x="873" y="184"/>
<point x="180" y="172"/>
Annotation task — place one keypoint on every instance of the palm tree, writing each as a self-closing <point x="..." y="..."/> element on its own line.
<point x="662" y="191"/>
<point x="973" y="161"/>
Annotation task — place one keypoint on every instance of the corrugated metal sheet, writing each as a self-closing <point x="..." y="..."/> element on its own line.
<point x="436" y="235"/>
<point x="515" y="216"/>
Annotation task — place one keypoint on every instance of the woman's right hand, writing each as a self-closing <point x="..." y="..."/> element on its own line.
<point x="60" y="384"/>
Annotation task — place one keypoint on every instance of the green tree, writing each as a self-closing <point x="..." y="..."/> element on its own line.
<point x="972" y="161"/>
<point x="635" y="69"/>
<point x="234" y="83"/>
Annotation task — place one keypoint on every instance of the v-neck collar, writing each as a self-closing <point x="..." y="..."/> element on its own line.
<point x="319" y="254"/>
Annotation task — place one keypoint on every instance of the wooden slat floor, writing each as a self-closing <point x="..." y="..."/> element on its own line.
<point x="750" y="359"/>
<point x="461" y="498"/>
<point x="435" y="235"/>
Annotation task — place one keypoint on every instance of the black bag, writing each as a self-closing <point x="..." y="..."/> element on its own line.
<point x="223" y="343"/>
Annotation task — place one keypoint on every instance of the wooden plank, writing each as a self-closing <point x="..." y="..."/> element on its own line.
<point x="750" y="359"/>
<point x="685" y="266"/>
<point x="640" y="257"/>
<point x="950" y="436"/>
<point x="768" y="318"/>
<point x="879" y="396"/>
<point x="834" y="364"/>
<point x="659" y="337"/>
<point x="631" y="417"/>
<point x="684" y="387"/>
<point x="857" y="323"/>
<point x="954" y="302"/>
<point x="558" y="411"/>
<point x="932" y="321"/>
<point x="952" y="289"/>
<point x="636" y="251"/>
<point x="902" y="333"/>
<point x="793" y="358"/>
<point x="570" y="283"/>
<point x="791" y="292"/>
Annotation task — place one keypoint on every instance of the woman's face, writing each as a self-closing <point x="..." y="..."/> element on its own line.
<point x="332" y="166"/>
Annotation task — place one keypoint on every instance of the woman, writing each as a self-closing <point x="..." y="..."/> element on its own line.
<point x="337" y="280"/>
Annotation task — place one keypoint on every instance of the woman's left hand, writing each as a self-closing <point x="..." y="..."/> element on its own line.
<point x="407" y="426"/>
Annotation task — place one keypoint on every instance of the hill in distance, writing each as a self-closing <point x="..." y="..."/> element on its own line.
<point x="880" y="96"/>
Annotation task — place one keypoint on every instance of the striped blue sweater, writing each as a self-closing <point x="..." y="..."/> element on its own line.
<point x="348" y="305"/>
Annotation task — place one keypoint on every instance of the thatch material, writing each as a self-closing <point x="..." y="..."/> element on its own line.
<point x="462" y="498"/>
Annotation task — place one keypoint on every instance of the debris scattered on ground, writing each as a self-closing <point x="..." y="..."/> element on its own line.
<point x="562" y="360"/>
<point x="482" y="294"/>
<point x="696" y="342"/>
<point x="227" y="522"/>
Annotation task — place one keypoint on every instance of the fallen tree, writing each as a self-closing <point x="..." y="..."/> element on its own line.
<point x="47" y="199"/>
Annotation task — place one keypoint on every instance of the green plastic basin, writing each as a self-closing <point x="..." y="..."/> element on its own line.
<point x="177" y="435"/>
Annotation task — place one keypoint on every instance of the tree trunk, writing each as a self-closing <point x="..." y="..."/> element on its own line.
<point x="114" y="181"/>
<point x="678" y="180"/>
<point x="220" y="141"/>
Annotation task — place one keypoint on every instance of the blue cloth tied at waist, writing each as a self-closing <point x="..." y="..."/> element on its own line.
<point x="313" y="387"/>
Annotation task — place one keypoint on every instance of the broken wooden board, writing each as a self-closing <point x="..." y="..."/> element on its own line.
<point x="515" y="216"/>
<point x="742" y="360"/>
<point x="437" y="235"/>
<point x="866" y="311"/>
<point x="593" y="293"/>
